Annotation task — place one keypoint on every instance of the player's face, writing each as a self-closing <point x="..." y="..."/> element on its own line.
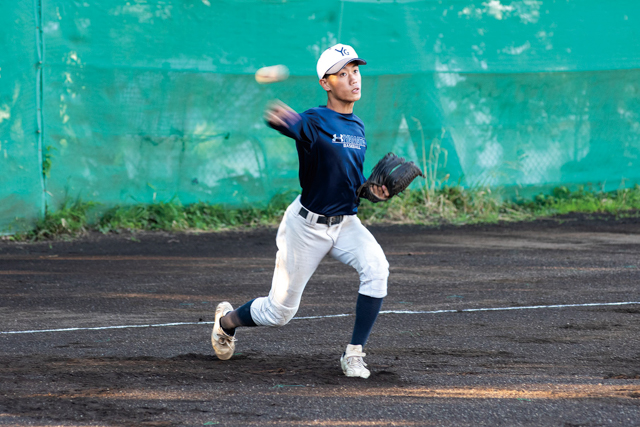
<point x="345" y="85"/>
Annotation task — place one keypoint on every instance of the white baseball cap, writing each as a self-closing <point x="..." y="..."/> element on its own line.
<point x="335" y="58"/>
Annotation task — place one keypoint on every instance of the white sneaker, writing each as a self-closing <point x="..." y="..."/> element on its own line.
<point x="352" y="363"/>
<point x="223" y="344"/>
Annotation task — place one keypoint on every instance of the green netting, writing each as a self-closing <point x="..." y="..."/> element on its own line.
<point x="147" y="100"/>
<point x="21" y="183"/>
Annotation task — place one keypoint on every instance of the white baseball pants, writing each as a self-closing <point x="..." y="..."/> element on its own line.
<point x="302" y="244"/>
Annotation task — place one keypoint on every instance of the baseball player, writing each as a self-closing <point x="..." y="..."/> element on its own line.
<point x="331" y="146"/>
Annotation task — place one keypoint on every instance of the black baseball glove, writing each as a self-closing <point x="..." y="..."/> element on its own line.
<point x="394" y="173"/>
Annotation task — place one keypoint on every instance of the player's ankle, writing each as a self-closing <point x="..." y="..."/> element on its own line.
<point x="226" y="328"/>
<point x="230" y="332"/>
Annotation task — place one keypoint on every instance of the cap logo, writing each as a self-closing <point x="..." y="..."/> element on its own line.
<point x="342" y="51"/>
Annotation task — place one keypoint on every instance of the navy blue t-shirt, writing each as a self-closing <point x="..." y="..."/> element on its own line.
<point x="331" y="148"/>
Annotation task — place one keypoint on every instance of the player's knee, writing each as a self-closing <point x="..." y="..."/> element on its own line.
<point x="268" y="313"/>
<point x="378" y="270"/>
<point x="283" y="315"/>
<point x="376" y="288"/>
<point x="382" y="269"/>
<point x="374" y="284"/>
<point x="286" y="319"/>
<point x="373" y="281"/>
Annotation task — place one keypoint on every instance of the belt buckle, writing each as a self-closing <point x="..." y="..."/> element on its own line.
<point x="333" y="220"/>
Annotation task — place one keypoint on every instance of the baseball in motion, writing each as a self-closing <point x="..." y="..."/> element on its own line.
<point x="272" y="74"/>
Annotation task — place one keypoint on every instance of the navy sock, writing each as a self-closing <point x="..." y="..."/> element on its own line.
<point x="244" y="314"/>
<point x="367" y="309"/>
<point x="239" y="317"/>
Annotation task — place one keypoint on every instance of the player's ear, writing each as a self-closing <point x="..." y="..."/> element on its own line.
<point x="325" y="85"/>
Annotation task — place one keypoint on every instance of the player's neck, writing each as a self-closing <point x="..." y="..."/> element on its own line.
<point x="339" y="106"/>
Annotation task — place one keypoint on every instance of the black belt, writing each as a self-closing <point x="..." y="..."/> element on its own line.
<point x="329" y="220"/>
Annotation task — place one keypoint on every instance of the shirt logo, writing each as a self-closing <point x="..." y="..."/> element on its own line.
<point x="349" y="141"/>
<point x="342" y="51"/>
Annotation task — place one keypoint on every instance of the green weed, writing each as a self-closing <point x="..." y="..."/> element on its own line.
<point x="70" y="220"/>
<point x="457" y="205"/>
<point x="158" y="216"/>
<point x="47" y="160"/>
<point x="583" y="200"/>
<point x="428" y="206"/>
<point x="173" y="216"/>
<point x="453" y="205"/>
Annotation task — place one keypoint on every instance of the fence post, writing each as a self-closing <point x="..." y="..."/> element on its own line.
<point x="40" y="97"/>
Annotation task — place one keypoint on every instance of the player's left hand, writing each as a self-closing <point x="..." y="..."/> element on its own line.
<point x="380" y="191"/>
<point x="390" y="176"/>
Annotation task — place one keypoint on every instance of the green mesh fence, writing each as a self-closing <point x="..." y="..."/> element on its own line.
<point x="21" y="180"/>
<point x="147" y="100"/>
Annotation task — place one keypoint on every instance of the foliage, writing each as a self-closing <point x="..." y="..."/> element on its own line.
<point x="173" y="216"/>
<point x="70" y="220"/>
<point x="563" y="201"/>
<point x="47" y="160"/>
<point x="454" y="205"/>
<point x="428" y="205"/>
<point x="157" y="216"/>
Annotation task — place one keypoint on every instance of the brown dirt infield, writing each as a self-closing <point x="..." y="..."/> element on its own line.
<point x="552" y="366"/>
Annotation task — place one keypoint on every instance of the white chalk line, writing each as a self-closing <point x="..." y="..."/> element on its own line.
<point x="329" y="316"/>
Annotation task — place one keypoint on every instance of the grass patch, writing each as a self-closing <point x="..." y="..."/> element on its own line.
<point x="448" y="205"/>
<point x="563" y="201"/>
<point x="428" y="206"/>
<point x="173" y="216"/>
<point x="71" y="220"/>
<point x="456" y="205"/>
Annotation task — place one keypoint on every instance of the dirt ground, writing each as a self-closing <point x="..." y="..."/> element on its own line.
<point x="558" y="356"/>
